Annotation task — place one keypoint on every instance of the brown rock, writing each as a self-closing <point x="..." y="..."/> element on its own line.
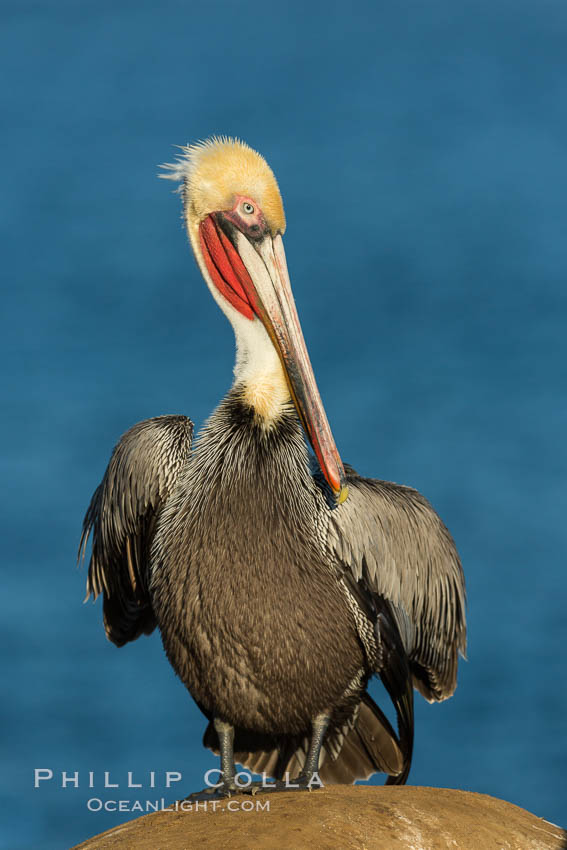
<point x="341" y="818"/>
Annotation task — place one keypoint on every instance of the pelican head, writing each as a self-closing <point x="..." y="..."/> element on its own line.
<point x="235" y="221"/>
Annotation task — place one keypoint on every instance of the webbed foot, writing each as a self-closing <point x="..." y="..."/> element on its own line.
<point x="219" y="792"/>
<point x="303" y="782"/>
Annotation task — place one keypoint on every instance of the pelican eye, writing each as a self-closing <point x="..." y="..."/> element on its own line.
<point x="247" y="208"/>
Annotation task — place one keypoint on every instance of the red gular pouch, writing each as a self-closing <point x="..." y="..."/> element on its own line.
<point x="227" y="271"/>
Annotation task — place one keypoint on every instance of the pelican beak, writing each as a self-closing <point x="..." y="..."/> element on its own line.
<point x="252" y="273"/>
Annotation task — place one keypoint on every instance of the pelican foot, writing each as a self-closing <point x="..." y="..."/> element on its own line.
<point x="303" y="782"/>
<point x="220" y="792"/>
<point x="230" y="789"/>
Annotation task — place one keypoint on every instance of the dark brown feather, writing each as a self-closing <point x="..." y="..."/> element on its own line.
<point x="122" y="517"/>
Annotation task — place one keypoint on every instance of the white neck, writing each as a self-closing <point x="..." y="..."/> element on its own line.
<point x="258" y="370"/>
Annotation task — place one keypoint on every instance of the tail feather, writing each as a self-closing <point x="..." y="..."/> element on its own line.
<point x="370" y="746"/>
<point x="404" y="710"/>
<point x="397" y="679"/>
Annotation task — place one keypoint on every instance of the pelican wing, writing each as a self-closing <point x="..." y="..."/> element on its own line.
<point x="122" y="517"/>
<point x="389" y="537"/>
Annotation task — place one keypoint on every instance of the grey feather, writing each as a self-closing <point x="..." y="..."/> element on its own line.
<point x="392" y="535"/>
<point x="122" y="517"/>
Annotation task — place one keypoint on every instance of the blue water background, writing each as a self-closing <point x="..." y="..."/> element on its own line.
<point x="421" y="152"/>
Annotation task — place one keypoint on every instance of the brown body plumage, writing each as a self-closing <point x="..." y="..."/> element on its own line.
<point x="252" y="649"/>
<point x="275" y="598"/>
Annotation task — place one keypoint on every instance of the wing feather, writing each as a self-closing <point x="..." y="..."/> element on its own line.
<point x="391" y="535"/>
<point x="122" y="518"/>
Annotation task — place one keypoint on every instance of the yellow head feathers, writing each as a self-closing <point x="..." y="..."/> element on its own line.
<point x="214" y="172"/>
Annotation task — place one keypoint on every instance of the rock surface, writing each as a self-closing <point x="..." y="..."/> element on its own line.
<point x="341" y="818"/>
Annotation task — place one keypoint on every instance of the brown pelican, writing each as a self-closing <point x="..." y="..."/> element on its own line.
<point x="280" y="581"/>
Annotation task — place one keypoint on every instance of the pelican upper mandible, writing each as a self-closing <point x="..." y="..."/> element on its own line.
<point x="280" y="581"/>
